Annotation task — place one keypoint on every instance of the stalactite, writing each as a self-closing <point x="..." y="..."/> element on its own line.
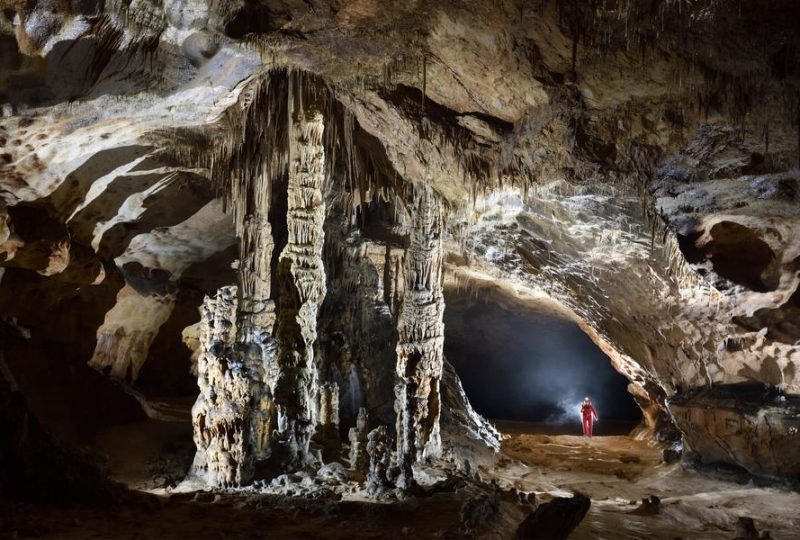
<point x="421" y="338"/>
<point x="301" y="275"/>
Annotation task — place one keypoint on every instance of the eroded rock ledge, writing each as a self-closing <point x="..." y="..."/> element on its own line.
<point x="746" y="424"/>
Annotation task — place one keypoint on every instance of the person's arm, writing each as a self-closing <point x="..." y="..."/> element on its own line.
<point x="594" y="413"/>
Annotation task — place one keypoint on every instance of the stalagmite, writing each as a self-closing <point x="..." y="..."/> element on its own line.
<point x="379" y="449"/>
<point x="328" y="428"/>
<point x="301" y="276"/>
<point x="256" y="315"/>
<point x="230" y="392"/>
<point x="420" y="329"/>
<point x="359" y="459"/>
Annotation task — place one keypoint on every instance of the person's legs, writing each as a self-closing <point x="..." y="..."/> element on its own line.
<point x="586" y="427"/>
<point x="590" y="426"/>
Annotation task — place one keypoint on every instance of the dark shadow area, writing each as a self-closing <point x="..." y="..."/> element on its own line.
<point x="737" y="254"/>
<point x="529" y="366"/>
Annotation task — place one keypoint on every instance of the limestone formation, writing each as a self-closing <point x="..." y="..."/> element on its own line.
<point x="420" y="329"/>
<point x="227" y="417"/>
<point x="129" y="329"/>
<point x="633" y="162"/>
<point x="555" y="519"/>
<point x="359" y="459"/>
<point x="256" y="310"/>
<point x="479" y="512"/>
<point x="379" y="449"/>
<point x="744" y="424"/>
<point x="302" y="288"/>
<point x="328" y="427"/>
<point x="746" y="530"/>
<point x="251" y="216"/>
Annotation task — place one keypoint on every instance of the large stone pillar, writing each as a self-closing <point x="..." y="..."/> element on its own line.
<point x="301" y="276"/>
<point x="230" y="392"/>
<point x="420" y="328"/>
<point x="256" y="313"/>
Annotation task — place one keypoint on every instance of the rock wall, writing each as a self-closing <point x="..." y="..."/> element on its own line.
<point x="33" y="467"/>
<point x="746" y="424"/>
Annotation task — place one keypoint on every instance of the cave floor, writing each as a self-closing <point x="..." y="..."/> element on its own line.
<point x="617" y="471"/>
<point x="234" y="515"/>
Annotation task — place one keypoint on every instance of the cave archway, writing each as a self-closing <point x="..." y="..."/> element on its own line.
<point x="524" y="361"/>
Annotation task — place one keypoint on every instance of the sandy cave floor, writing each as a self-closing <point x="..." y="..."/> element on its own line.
<point x="615" y="471"/>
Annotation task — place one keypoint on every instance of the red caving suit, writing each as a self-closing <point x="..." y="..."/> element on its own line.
<point x="589" y="416"/>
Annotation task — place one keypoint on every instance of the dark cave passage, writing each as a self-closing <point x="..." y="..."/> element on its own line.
<point x="523" y="364"/>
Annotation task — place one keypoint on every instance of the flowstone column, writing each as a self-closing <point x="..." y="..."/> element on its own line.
<point x="301" y="276"/>
<point x="420" y="345"/>
<point x="229" y="389"/>
<point x="256" y="314"/>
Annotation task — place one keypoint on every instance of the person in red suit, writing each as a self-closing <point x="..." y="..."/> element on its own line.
<point x="589" y="415"/>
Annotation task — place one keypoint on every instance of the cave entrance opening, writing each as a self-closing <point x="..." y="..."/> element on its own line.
<point x="527" y="366"/>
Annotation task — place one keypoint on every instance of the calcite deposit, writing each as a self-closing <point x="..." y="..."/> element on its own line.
<point x="228" y="417"/>
<point x="420" y="329"/>
<point x="302" y="283"/>
<point x="257" y="206"/>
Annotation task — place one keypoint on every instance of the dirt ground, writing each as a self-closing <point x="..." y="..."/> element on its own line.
<point x="615" y="471"/>
<point x="216" y="516"/>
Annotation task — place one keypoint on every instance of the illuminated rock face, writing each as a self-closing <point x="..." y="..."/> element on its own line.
<point x="255" y="315"/>
<point x="222" y="414"/>
<point x="646" y="183"/>
<point x="124" y="339"/>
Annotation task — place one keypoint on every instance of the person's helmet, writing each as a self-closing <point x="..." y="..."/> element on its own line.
<point x="586" y="400"/>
